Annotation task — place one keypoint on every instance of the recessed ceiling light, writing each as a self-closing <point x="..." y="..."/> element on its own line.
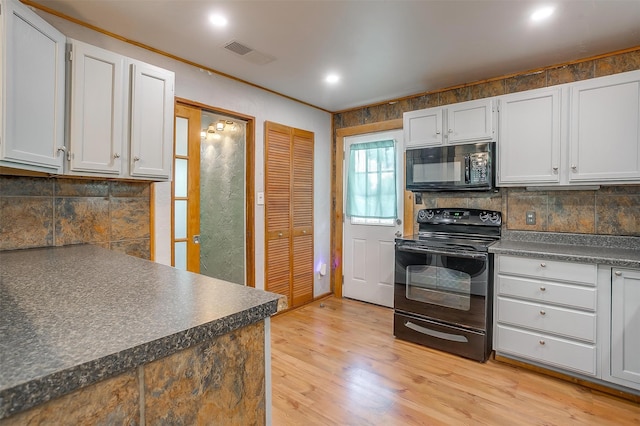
<point x="542" y="13"/>
<point x="218" y="20"/>
<point x="332" y="78"/>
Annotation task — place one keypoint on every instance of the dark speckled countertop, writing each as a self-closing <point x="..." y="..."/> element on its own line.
<point x="600" y="249"/>
<point x="71" y="316"/>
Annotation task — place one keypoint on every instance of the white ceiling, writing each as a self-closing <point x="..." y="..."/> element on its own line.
<point x="382" y="49"/>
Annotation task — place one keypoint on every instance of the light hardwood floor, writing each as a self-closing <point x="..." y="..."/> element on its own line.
<point x="336" y="362"/>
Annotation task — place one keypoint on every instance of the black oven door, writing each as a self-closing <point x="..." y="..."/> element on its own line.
<point x="450" y="287"/>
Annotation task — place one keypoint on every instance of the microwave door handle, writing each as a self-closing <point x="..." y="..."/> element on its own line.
<point x="467" y="169"/>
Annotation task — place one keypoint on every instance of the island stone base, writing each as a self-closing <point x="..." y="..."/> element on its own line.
<point x="220" y="382"/>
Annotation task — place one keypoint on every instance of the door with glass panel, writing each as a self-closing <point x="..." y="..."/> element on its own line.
<point x="374" y="194"/>
<point x="186" y="190"/>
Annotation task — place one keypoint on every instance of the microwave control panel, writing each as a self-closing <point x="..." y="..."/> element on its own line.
<point x="479" y="165"/>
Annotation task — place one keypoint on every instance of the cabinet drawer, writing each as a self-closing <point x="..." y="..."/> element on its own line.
<point x="548" y="269"/>
<point x="547" y="292"/>
<point x="557" y="352"/>
<point x="550" y="319"/>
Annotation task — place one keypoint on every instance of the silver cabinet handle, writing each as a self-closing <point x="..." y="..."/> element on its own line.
<point x="542" y="342"/>
<point x="555" y="169"/>
<point x="136" y="158"/>
<point x="62" y="149"/>
<point x="544" y="265"/>
<point x="450" y="130"/>
<point x="617" y="273"/>
<point x="574" y="167"/>
<point x="279" y="234"/>
<point x="542" y="312"/>
<point x="116" y="155"/>
<point x="543" y="288"/>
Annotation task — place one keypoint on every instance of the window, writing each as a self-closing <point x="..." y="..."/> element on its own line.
<point x="371" y="183"/>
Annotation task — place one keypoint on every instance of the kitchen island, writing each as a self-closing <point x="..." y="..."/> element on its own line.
<point x="88" y="335"/>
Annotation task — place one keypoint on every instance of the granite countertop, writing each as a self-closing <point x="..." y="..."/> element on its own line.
<point x="71" y="316"/>
<point x="600" y="249"/>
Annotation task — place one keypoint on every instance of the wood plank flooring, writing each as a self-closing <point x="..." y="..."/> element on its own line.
<point x="336" y="362"/>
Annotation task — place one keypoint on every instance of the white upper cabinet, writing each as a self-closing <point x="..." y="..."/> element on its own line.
<point x="464" y="122"/>
<point x="151" y="121"/>
<point x="605" y="129"/>
<point x="530" y="138"/>
<point x="96" y="127"/>
<point x="423" y="127"/>
<point x="470" y="121"/>
<point x="121" y="116"/>
<point x="33" y="91"/>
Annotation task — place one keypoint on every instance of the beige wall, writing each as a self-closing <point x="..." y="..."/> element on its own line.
<point x="609" y="210"/>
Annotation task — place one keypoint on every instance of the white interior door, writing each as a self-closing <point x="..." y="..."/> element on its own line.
<point x="369" y="243"/>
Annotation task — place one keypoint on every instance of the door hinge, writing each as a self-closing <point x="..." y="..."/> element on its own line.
<point x="71" y="54"/>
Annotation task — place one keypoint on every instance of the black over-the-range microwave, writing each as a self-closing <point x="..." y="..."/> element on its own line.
<point x="468" y="167"/>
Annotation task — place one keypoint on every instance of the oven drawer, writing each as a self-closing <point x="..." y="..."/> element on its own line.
<point x="550" y="319"/>
<point x="547" y="292"/>
<point x="554" y="351"/>
<point x="582" y="273"/>
<point x="466" y="343"/>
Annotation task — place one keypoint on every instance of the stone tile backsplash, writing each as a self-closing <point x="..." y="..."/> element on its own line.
<point x="612" y="210"/>
<point x="40" y="212"/>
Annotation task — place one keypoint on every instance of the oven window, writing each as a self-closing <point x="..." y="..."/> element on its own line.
<point x="439" y="286"/>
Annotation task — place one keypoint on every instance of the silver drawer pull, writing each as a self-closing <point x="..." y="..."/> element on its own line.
<point x="618" y="273"/>
<point x="543" y="264"/>
<point x="541" y="342"/>
<point x="543" y="288"/>
<point x="542" y="312"/>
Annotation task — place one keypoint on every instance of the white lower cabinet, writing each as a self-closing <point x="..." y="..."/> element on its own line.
<point x="548" y="349"/>
<point x="577" y="318"/>
<point x="545" y="312"/>
<point x="623" y="366"/>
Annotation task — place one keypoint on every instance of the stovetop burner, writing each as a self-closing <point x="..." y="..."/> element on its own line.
<point x="457" y="229"/>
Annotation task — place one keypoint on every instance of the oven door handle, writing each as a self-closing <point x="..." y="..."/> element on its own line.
<point x="434" y="333"/>
<point x="466" y="255"/>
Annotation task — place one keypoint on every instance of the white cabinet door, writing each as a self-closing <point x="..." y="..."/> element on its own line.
<point x="33" y="83"/>
<point x="151" y="121"/>
<point x="605" y="129"/>
<point x="423" y="127"/>
<point x="96" y="129"/>
<point x="470" y="121"/>
<point x="625" y="325"/>
<point x="530" y="139"/>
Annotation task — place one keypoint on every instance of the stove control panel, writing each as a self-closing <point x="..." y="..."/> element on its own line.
<point x="460" y="216"/>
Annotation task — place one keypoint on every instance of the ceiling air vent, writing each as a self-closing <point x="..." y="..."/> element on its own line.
<point x="238" y="48"/>
<point x="249" y="54"/>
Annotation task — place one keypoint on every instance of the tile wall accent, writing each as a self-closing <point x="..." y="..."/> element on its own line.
<point x="550" y="76"/>
<point x="609" y="210"/>
<point x="40" y="212"/>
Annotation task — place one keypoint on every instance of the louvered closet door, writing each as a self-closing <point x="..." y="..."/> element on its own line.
<point x="277" y="209"/>
<point x="302" y="217"/>
<point x="289" y="213"/>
